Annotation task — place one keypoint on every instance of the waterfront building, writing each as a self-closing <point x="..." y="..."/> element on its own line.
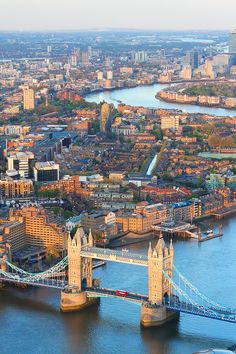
<point x="34" y="226"/>
<point x="186" y="73"/>
<point x="29" y="100"/>
<point x="102" y="224"/>
<point x="182" y="211"/>
<point x="211" y="203"/>
<point x="143" y="217"/>
<point x="166" y="76"/>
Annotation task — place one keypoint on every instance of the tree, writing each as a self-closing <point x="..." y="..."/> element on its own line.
<point x="228" y="141"/>
<point x="208" y="128"/>
<point x="214" y="140"/>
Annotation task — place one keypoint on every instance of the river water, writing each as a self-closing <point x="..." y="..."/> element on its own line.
<point x="145" y="96"/>
<point x="32" y="323"/>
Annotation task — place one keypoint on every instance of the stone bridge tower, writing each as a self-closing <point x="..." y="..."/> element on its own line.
<point x="73" y="297"/>
<point x="160" y="258"/>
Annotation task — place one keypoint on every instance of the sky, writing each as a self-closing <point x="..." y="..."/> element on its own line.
<point x="123" y="14"/>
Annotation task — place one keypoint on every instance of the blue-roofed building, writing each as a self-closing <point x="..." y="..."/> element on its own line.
<point x="182" y="211"/>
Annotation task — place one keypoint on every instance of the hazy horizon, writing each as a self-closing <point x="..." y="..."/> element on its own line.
<point x="75" y="15"/>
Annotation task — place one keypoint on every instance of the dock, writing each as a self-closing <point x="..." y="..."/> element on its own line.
<point x="99" y="264"/>
<point x="207" y="238"/>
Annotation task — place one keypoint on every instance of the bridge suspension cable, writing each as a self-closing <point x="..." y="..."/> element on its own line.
<point x="198" y="293"/>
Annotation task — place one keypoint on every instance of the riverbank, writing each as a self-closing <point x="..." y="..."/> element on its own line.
<point x="193" y="103"/>
<point x="221" y="94"/>
<point x="145" y="96"/>
<point x="132" y="238"/>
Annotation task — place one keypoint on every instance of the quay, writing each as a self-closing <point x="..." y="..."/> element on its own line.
<point x="220" y="214"/>
<point x="182" y="229"/>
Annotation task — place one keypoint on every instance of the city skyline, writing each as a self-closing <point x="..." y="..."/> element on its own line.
<point x="128" y="15"/>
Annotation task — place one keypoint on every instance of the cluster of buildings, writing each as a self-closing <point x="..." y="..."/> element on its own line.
<point x="31" y="232"/>
<point x="177" y="94"/>
<point x="118" y="169"/>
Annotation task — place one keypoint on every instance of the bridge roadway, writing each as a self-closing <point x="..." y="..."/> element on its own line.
<point x="47" y="283"/>
<point x="174" y="304"/>
<point x="114" y="256"/>
<point x="198" y="310"/>
<point x="119" y="294"/>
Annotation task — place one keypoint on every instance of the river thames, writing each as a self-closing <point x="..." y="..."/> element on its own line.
<point x="145" y="96"/>
<point x="31" y="321"/>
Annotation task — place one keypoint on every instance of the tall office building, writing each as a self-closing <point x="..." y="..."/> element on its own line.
<point x="105" y="111"/>
<point x="22" y="162"/>
<point x="28" y="96"/>
<point x="192" y="58"/>
<point x="186" y="73"/>
<point x="107" y="62"/>
<point x="85" y="58"/>
<point x="46" y="171"/>
<point x="99" y="75"/>
<point x="140" y="56"/>
<point x="109" y="75"/>
<point x="90" y="52"/>
<point x="73" y="60"/>
<point x="232" y="42"/>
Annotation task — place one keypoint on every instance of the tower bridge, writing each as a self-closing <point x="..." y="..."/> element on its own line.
<point x="169" y="292"/>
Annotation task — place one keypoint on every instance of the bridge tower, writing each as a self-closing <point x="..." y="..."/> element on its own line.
<point x="73" y="297"/>
<point x="160" y="258"/>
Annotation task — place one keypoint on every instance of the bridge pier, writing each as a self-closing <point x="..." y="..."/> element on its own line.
<point x="75" y="300"/>
<point x="156" y="315"/>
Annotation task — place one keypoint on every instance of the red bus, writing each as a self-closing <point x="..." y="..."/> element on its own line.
<point x="121" y="293"/>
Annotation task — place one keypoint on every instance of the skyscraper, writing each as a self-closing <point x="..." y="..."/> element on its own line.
<point x="232" y="42"/>
<point x="192" y="58"/>
<point x="85" y="58"/>
<point x="29" y="103"/>
<point x="105" y="111"/>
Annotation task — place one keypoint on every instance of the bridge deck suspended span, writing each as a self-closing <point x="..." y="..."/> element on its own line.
<point x="115" y="256"/>
<point x="124" y="295"/>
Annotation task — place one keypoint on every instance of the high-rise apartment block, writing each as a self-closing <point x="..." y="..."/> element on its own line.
<point x="170" y="122"/>
<point x="34" y="226"/>
<point x="22" y="162"/>
<point x="29" y="99"/>
<point x="11" y="188"/>
<point x="105" y="112"/>
<point x="232" y="42"/>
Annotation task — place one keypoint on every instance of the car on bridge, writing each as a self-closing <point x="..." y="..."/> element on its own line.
<point x="121" y="293"/>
